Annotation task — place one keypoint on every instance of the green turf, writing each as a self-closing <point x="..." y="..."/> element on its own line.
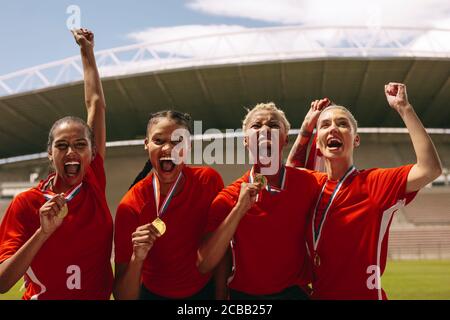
<point x="415" y="279"/>
<point x="418" y="279"/>
<point x="14" y="293"/>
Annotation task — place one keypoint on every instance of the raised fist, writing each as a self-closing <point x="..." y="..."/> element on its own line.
<point x="310" y="121"/>
<point x="396" y="95"/>
<point x="84" y="37"/>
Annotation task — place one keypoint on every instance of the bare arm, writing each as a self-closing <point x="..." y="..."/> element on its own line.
<point x="127" y="282"/>
<point x="93" y="90"/>
<point x="13" y="268"/>
<point x="428" y="166"/>
<point x="216" y="244"/>
<point x="297" y="155"/>
<point x="221" y="275"/>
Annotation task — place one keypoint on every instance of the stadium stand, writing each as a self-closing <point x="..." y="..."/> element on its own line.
<point x="432" y="207"/>
<point x="419" y="242"/>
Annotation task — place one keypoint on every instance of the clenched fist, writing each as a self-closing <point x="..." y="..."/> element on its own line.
<point x="248" y="194"/>
<point x="49" y="214"/>
<point x="143" y="239"/>
<point x="317" y="106"/>
<point x="396" y="96"/>
<point x="84" y="37"/>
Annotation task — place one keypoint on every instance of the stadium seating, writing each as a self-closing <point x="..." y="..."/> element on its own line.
<point x="419" y="242"/>
<point x="430" y="208"/>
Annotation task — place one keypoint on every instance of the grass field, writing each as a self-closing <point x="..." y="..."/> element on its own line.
<point x="417" y="279"/>
<point x="403" y="280"/>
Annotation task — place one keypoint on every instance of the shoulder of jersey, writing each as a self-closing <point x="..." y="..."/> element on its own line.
<point x="204" y="172"/>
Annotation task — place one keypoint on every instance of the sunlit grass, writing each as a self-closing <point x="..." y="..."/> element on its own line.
<point x="402" y="280"/>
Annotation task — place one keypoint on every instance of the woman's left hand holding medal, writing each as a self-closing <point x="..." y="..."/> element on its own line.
<point x="143" y="239"/>
<point x="52" y="213"/>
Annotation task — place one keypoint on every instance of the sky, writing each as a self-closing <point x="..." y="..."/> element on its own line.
<point x="35" y="32"/>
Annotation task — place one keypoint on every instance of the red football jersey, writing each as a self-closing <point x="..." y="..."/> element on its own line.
<point x="170" y="267"/>
<point x="269" y="249"/>
<point x="75" y="262"/>
<point x="351" y="245"/>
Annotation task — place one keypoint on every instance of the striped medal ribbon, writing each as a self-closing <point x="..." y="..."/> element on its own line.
<point x="160" y="211"/>
<point x="271" y="189"/>
<point x="317" y="233"/>
<point x="48" y="195"/>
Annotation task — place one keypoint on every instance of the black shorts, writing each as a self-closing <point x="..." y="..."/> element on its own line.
<point x="291" y="293"/>
<point x="207" y="293"/>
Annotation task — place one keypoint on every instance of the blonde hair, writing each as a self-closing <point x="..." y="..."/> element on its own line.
<point x="270" y="106"/>
<point x="350" y="115"/>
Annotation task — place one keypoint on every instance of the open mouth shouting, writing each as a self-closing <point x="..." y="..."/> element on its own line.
<point x="264" y="143"/>
<point x="167" y="164"/>
<point x="333" y="143"/>
<point x="72" y="168"/>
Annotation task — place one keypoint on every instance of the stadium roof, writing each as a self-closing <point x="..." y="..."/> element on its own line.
<point x="213" y="77"/>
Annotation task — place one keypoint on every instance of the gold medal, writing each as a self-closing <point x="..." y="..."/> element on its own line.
<point x="316" y="260"/>
<point x="63" y="212"/>
<point x="159" y="225"/>
<point x="262" y="180"/>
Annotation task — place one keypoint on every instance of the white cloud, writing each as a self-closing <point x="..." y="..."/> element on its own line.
<point x="155" y="35"/>
<point x="204" y="44"/>
<point x="196" y="40"/>
<point x="286" y="12"/>
<point x="212" y="41"/>
<point x="217" y="44"/>
<point x="331" y="12"/>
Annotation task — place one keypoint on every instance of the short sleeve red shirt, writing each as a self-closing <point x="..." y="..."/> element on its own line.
<point x="170" y="267"/>
<point x="75" y="262"/>
<point x="269" y="249"/>
<point x="352" y="247"/>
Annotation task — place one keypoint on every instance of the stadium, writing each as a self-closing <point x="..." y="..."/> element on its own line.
<point x="214" y="77"/>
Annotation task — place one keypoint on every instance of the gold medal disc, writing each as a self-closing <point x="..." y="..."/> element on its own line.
<point x="159" y="225"/>
<point x="262" y="180"/>
<point x="63" y="212"/>
<point x="316" y="260"/>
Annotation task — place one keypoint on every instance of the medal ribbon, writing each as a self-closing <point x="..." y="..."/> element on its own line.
<point x="318" y="232"/>
<point x="70" y="194"/>
<point x="270" y="189"/>
<point x="156" y="192"/>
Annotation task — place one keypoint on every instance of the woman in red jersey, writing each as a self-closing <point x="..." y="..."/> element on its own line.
<point x="347" y="235"/>
<point x="161" y="219"/>
<point x="263" y="214"/>
<point x="58" y="235"/>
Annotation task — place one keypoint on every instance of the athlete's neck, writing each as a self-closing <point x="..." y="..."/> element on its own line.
<point x="58" y="186"/>
<point x="165" y="187"/>
<point x="336" y="168"/>
<point x="274" y="179"/>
